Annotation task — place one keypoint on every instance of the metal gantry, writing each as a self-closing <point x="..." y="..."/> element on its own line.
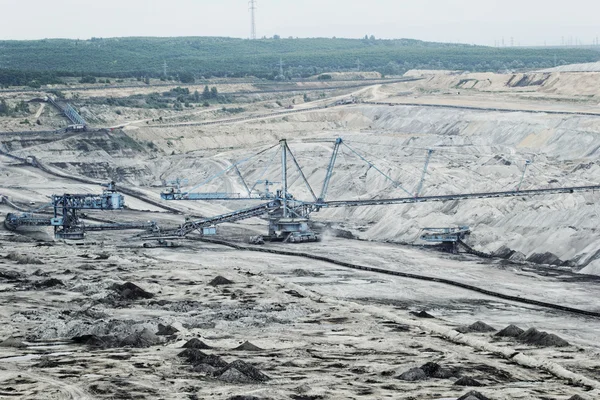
<point x="66" y="219"/>
<point x="77" y="121"/>
<point x="289" y="217"/>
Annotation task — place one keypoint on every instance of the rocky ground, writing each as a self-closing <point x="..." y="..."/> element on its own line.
<point x="106" y="318"/>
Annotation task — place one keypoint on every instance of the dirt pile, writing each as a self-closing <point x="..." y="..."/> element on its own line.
<point x="196" y="343"/>
<point x="12" y="342"/>
<point x="477" y="327"/>
<point x="141" y="339"/>
<point x="220" y="281"/>
<point x="467" y="381"/>
<point x="305" y="273"/>
<point x="247" y="346"/>
<point x="422" y="314"/>
<point x="429" y="370"/>
<point x="11" y="276"/>
<point x="543" y="339"/>
<point x="102" y="342"/>
<point x="294" y="293"/>
<point x="412" y="375"/>
<point x="213" y="365"/>
<point x="48" y="283"/>
<point x="23" y="259"/>
<point x="166" y="330"/>
<point x="196" y="357"/>
<point x="473" y="395"/>
<point x="241" y="372"/>
<point x="510" y="331"/>
<point x="130" y="291"/>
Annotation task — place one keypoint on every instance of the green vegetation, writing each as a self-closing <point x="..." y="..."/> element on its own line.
<point x="193" y="58"/>
<point x="4" y="108"/>
<point x="24" y="78"/>
<point x="176" y="98"/>
<point x="21" y="108"/>
<point x="87" y="79"/>
<point x="233" y="110"/>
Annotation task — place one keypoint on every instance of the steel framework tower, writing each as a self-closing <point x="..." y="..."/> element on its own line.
<point x="252" y="4"/>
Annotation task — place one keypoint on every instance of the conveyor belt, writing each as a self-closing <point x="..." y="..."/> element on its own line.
<point x="444" y="281"/>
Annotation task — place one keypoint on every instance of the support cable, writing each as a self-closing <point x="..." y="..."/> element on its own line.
<point x="223" y="172"/>
<point x="275" y="153"/>
<point x="396" y="183"/>
<point x="301" y="173"/>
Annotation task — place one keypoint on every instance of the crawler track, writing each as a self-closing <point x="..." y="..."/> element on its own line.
<point x="411" y="276"/>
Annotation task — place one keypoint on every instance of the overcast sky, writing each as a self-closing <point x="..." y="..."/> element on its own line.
<point x="529" y="22"/>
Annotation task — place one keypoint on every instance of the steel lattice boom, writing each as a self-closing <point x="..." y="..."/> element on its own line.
<point x="288" y="217"/>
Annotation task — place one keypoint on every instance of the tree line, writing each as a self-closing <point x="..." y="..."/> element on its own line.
<point x="190" y="59"/>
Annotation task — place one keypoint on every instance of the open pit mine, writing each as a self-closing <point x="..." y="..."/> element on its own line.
<point x="429" y="237"/>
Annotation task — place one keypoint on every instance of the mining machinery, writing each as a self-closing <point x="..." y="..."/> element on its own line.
<point x="288" y="217"/>
<point x="66" y="219"/>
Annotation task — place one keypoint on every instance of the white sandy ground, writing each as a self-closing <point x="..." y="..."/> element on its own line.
<point x="334" y="342"/>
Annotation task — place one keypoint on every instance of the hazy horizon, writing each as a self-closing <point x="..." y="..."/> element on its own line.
<point x="531" y="23"/>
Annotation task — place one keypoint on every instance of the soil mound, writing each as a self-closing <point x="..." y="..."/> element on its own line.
<point x="539" y="338"/>
<point x="241" y="372"/>
<point x="196" y="357"/>
<point x="166" y="330"/>
<point x="473" y="395"/>
<point x="431" y="368"/>
<point x="220" y="281"/>
<point x="46" y="363"/>
<point x="48" y="283"/>
<point x="23" y="259"/>
<point x="307" y="397"/>
<point x="143" y="339"/>
<point x="294" y="293"/>
<point x="435" y="370"/>
<point x="422" y="314"/>
<point x="306" y="273"/>
<point x="12" y="342"/>
<point x="576" y="397"/>
<point x="247" y="346"/>
<point x="196" y="343"/>
<point x="205" y="369"/>
<point x="510" y="331"/>
<point x="10" y="275"/>
<point x="103" y="342"/>
<point x="467" y="381"/>
<point x="413" y="375"/>
<point x="130" y="291"/>
<point x="478" y="327"/>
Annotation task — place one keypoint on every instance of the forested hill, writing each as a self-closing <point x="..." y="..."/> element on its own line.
<point x="215" y="56"/>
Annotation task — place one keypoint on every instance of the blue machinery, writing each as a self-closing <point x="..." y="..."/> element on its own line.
<point x="288" y="217"/>
<point x="77" y="121"/>
<point x="449" y="238"/>
<point x="66" y="220"/>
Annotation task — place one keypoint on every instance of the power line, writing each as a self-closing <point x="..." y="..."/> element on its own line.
<point x="280" y="66"/>
<point x="252" y="4"/>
